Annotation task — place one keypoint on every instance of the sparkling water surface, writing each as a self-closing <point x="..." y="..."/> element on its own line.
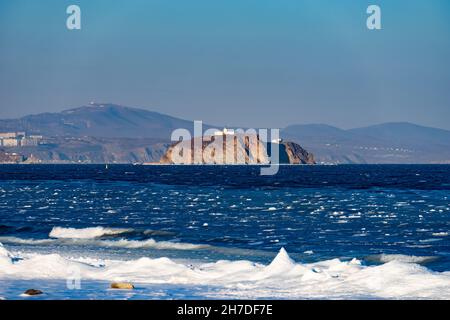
<point x="201" y="214"/>
<point x="315" y="212"/>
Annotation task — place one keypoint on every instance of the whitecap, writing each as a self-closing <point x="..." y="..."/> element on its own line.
<point x="85" y="233"/>
<point x="16" y="240"/>
<point x="120" y="243"/>
<point x="440" y="234"/>
<point x="150" y="243"/>
<point x="384" y="258"/>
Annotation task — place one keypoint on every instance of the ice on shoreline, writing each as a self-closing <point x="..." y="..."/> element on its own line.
<point x="283" y="278"/>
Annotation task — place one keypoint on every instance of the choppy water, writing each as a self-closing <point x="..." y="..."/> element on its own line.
<point x="376" y="214"/>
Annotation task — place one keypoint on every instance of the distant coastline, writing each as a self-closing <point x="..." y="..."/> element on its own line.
<point x="109" y="133"/>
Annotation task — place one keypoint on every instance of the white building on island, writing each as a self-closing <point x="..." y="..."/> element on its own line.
<point x="225" y="131"/>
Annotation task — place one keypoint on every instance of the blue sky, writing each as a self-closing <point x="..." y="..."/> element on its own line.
<point x="253" y="63"/>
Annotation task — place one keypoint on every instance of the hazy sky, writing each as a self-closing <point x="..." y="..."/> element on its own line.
<point x="260" y="63"/>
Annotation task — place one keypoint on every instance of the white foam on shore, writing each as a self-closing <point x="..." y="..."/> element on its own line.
<point x="283" y="278"/>
<point x="85" y="233"/>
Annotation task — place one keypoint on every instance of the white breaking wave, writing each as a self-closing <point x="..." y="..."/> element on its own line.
<point x="85" y="233"/>
<point x="5" y="256"/>
<point x="283" y="278"/>
<point x="440" y="234"/>
<point x="121" y="243"/>
<point x="384" y="258"/>
<point x="27" y="241"/>
<point x="150" y="243"/>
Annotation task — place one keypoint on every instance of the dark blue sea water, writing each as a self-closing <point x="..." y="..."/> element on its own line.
<point x="314" y="212"/>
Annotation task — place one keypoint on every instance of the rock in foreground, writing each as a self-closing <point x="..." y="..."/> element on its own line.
<point x="122" y="285"/>
<point x="33" y="292"/>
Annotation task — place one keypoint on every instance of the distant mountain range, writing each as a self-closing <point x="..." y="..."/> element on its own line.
<point x="113" y="133"/>
<point x="399" y="142"/>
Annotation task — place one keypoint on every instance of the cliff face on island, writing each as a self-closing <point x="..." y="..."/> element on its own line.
<point x="296" y="154"/>
<point x="234" y="149"/>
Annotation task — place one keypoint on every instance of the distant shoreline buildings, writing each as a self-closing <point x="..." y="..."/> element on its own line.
<point x="19" y="139"/>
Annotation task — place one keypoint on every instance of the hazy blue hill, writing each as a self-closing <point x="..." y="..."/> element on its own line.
<point x="405" y="133"/>
<point x="385" y="143"/>
<point x="97" y="133"/>
<point x="316" y="131"/>
<point x="326" y="134"/>
<point x="99" y="120"/>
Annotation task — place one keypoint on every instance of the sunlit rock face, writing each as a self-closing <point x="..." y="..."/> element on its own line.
<point x="235" y="149"/>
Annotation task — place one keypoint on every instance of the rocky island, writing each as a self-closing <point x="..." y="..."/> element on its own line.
<point x="226" y="148"/>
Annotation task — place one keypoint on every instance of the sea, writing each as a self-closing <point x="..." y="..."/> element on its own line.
<point x="225" y="232"/>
